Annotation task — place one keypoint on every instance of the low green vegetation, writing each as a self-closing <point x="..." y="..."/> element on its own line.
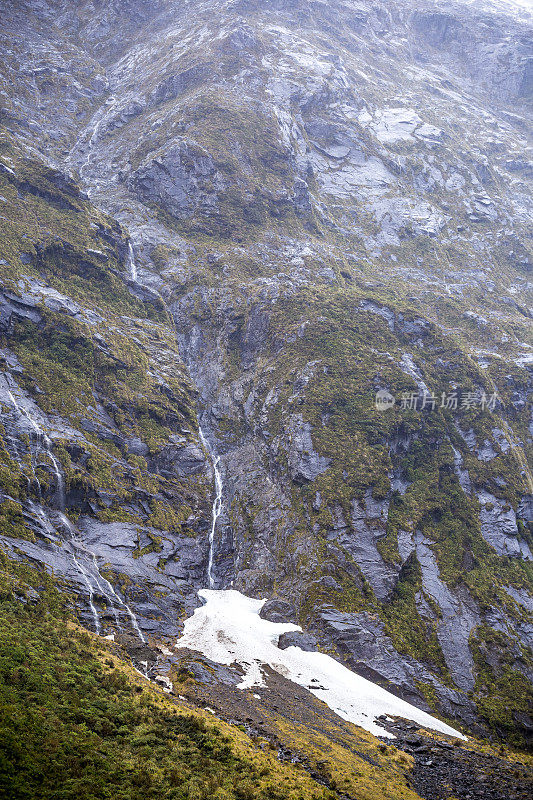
<point x="76" y="724"/>
<point x="502" y="693"/>
<point x="102" y="352"/>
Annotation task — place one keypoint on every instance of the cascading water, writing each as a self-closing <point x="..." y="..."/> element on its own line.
<point x="216" y="510"/>
<point x="107" y="590"/>
<point x="11" y="431"/>
<point x="130" y="263"/>
<point x="46" y="442"/>
<point x="100" y="119"/>
<point x="60" y="484"/>
<point x="114" y="596"/>
<point x="23" y="412"/>
<point x="83" y="572"/>
<point x="101" y="583"/>
<point x="111" y="595"/>
<point x="134" y="623"/>
<point x="44" y="520"/>
<point x="90" y="590"/>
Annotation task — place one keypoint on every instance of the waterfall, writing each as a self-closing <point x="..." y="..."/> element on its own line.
<point x="130" y="263"/>
<point x="44" y="519"/>
<point x="45" y="440"/>
<point x="101" y="582"/>
<point x="12" y="434"/>
<point x="101" y="116"/>
<point x="90" y="590"/>
<point x="107" y="588"/>
<point x="14" y="402"/>
<point x="134" y="623"/>
<point x="25" y="413"/>
<point x="216" y="510"/>
<point x="114" y="596"/>
<point x="60" y="484"/>
<point x="111" y="595"/>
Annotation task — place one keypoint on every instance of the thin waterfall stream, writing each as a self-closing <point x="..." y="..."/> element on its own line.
<point x="216" y="509"/>
<point x="101" y="584"/>
<point x="130" y="263"/>
<point x="43" y="439"/>
<point x="90" y="590"/>
<point x="60" y="484"/>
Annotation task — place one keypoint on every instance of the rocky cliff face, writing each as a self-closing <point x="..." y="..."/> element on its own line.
<point x="325" y="204"/>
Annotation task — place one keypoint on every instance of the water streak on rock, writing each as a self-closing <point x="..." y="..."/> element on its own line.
<point x="130" y="263"/>
<point x="216" y="510"/>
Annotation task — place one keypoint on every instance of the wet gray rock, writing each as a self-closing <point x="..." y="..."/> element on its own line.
<point x="521" y="597"/>
<point x="13" y="306"/>
<point x="305" y="641"/>
<point x="136" y="447"/>
<point x="361" y="171"/>
<point x="183" y="178"/>
<point x="174" y="85"/>
<point x="305" y="463"/>
<point x="183" y="459"/>
<point x="359" y="540"/>
<point x="460" y="615"/>
<point x="255" y="335"/>
<point x="205" y="671"/>
<point x="278" y="611"/>
<point x="373" y="308"/>
<point x="363" y="645"/>
<point x="525" y="509"/>
<point x="499" y="527"/>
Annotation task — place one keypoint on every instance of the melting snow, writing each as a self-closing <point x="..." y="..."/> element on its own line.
<point x="228" y="629"/>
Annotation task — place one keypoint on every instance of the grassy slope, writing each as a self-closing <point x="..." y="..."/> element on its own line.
<point x="77" y="722"/>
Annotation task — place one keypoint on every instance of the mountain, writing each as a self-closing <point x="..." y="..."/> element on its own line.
<point x="265" y="308"/>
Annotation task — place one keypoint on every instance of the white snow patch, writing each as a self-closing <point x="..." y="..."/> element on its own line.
<point x="228" y="629"/>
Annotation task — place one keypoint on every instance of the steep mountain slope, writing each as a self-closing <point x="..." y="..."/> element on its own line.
<point x="327" y="202"/>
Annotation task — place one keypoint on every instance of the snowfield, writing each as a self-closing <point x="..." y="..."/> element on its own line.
<point x="228" y="629"/>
